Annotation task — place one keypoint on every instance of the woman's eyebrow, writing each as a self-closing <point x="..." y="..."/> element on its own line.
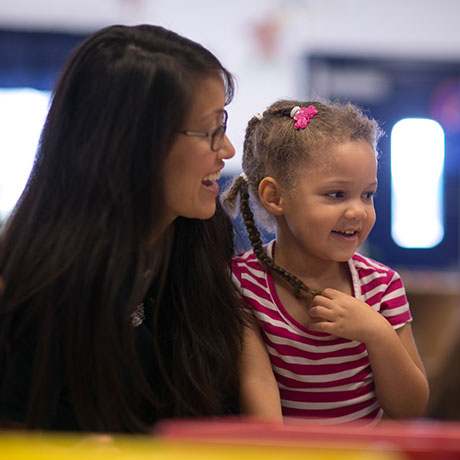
<point x="213" y="114"/>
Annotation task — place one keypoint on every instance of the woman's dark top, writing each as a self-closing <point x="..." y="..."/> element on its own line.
<point x="16" y="380"/>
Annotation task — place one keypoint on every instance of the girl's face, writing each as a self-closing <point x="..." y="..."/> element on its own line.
<point x="331" y="210"/>
<point x="191" y="168"/>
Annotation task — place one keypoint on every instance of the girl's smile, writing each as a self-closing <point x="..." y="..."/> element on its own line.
<point x="348" y="235"/>
<point x="330" y="212"/>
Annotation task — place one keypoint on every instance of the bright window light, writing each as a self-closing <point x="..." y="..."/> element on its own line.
<point x="417" y="166"/>
<point x="22" y="114"/>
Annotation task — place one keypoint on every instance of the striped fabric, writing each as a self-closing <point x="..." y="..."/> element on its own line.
<point x="320" y="376"/>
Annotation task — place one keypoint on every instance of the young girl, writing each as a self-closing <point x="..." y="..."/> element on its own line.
<point x="333" y="340"/>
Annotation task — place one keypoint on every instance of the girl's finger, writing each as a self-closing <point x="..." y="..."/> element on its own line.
<point x="321" y="326"/>
<point x="321" y="312"/>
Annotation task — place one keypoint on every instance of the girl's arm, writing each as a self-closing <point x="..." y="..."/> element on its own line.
<point x="259" y="393"/>
<point x="400" y="381"/>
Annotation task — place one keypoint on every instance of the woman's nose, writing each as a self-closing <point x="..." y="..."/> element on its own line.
<point x="227" y="150"/>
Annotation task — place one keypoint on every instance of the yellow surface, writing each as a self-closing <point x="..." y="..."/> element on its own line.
<point x="19" y="447"/>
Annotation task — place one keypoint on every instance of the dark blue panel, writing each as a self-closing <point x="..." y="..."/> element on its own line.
<point x="34" y="59"/>
<point x="428" y="89"/>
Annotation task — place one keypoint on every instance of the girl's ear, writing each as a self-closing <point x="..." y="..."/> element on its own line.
<point x="270" y="196"/>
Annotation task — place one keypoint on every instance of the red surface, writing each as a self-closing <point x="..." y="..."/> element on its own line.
<point x="419" y="440"/>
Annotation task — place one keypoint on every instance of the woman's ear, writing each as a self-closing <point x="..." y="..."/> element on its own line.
<point x="270" y="196"/>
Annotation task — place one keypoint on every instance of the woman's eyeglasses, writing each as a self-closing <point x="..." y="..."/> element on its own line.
<point x="217" y="136"/>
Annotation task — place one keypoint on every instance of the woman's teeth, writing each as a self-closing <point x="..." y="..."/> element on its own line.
<point x="208" y="180"/>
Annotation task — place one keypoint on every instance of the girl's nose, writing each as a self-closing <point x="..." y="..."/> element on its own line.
<point x="356" y="211"/>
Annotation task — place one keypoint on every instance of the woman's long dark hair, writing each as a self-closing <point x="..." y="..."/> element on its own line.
<point x="84" y="242"/>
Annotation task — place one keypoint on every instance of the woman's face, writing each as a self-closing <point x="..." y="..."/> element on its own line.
<point x="192" y="168"/>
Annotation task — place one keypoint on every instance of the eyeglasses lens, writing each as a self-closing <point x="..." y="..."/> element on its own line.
<point x="218" y="138"/>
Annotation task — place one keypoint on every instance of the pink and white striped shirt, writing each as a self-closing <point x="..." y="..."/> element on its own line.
<point x="319" y="375"/>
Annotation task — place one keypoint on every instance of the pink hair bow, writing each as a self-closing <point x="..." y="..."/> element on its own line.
<point x="303" y="115"/>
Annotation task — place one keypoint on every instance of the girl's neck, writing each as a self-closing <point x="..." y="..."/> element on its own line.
<point x="315" y="273"/>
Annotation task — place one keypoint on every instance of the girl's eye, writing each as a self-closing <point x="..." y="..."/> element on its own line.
<point x="369" y="195"/>
<point x="336" y="194"/>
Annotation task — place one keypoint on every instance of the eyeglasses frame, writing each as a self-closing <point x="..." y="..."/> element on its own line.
<point x="210" y="134"/>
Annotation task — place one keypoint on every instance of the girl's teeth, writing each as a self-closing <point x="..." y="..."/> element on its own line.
<point x="347" y="232"/>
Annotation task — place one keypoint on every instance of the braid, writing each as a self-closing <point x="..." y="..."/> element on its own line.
<point x="228" y="198"/>
<point x="262" y="256"/>
<point x="248" y="138"/>
<point x="253" y="231"/>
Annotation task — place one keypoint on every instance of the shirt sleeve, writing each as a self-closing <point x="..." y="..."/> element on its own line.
<point x="236" y="275"/>
<point x="394" y="304"/>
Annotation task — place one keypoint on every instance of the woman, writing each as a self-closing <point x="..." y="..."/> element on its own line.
<point x="116" y="306"/>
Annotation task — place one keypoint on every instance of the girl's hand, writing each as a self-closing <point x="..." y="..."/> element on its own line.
<point x="401" y="385"/>
<point x="342" y="315"/>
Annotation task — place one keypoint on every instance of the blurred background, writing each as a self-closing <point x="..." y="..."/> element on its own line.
<point x="398" y="59"/>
